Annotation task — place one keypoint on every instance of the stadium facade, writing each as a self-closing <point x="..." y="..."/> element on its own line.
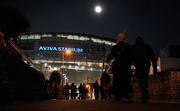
<point x="47" y="52"/>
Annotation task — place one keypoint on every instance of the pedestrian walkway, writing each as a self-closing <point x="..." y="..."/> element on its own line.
<point x="170" y="101"/>
<point x="90" y="105"/>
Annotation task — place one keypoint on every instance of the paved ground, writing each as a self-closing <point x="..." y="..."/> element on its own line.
<point x="76" y="105"/>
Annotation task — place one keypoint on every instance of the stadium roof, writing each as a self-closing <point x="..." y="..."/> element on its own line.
<point x="72" y="33"/>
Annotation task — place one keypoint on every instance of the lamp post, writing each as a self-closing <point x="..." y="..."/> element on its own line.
<point x="104" y="57"/>
<point x="62" y="69"/>
<point x="66" y="52"/>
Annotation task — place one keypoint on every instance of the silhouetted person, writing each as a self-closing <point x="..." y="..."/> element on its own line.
<point x="66" y="91"/>
<point x="143" y="57"/>
<point x="85" y="91"/>
<point x="80" y="88"/>
<point x="96" y="88"/>
<point x="73" y="91"/>
<point x="55" y="80"/>
<point x="105" y="85"/>
<point x="121" y="68"/>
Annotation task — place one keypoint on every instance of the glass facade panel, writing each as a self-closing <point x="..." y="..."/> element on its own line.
<point x="23" y="37"/>
<point x="70" y="37"/>
<point x="37" y="36"/>
<point x="76" y="37"/>
<point x="31" y="37"/>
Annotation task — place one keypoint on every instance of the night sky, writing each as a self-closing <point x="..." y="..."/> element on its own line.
<point x="158" y="21"/>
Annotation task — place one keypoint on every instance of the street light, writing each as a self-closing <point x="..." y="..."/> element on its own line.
<point x="63" y="53"/>
<point x="66" y="52"/>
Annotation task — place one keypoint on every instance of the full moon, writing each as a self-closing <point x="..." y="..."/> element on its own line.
<point x="98" y="9"/>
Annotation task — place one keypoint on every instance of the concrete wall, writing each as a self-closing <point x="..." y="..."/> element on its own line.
<point x="166" y="87"/>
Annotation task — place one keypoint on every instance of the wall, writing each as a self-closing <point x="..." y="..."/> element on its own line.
<point x="166" y="87"/>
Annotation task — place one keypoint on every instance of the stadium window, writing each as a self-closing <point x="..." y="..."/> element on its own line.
<point x="76" y="37"/>
<point x="47" y="35"/>
<point x="113" y="44"/>
<point x="83" y="38"/>
<point x="64" y="36"/>
<point x="93" y="39"/>
<point x="99" y="41"/>
<point x="44" y="35"/>
<point x="30" y="37"/>
<point x="108" y="43"/>
<point x="23" y="37"/>
<point x="37" y="36"/>
<point x="61" y="36"/>
<point x="70" y="37"/>
<point x="58" y="35"/>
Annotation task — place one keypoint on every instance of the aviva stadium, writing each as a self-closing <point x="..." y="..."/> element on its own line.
<point x="80" y="56"/>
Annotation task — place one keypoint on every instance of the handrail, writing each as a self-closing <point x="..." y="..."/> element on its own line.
<point x="21" y="53"/>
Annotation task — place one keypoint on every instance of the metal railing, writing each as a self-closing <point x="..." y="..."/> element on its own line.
<point x="21" y="53"/>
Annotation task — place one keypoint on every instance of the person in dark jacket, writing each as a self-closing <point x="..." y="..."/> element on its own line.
<point x="96" y="88"/>
<point x="105" y="84"/>
<point x="85" y="91"/>
<point x="143" y="57"/>
<point x="55" y="80"/>
<point x="121" y="69"/>
<point x="80" y="88"/>
<point x="66" y="91"/>
<point x="73" y="91"/>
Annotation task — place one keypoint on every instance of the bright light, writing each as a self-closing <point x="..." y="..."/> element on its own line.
<point x="98" y="9"/>
<point x="45" y="64"/>
<point x="55" y="68"/>
<point x="79" y="63"/>
<point x="100" y="64"/>
<point x="63" y="67"/>
<point x="87" y="86"/>
<point x="70" y="66"/>
<point x="49" y="66"/>
<point x="89" y="63"/>
<point x="68" y="52"/>
<point x="66" y="78"/>
<point x="82" y="67"/>
<point x="91" y="69"/>
<point x="76" y="68"/>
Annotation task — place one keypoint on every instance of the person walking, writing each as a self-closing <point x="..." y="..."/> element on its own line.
<point x="66" y="91"/>
<point x="105" y="85"/>
<point x="96" y="88"/>
<point x="73" y="91"/>
<point x="55" y="80"/>
<point x="121" y="68"/>
<point x="143" y="57"/>
<point x="85" y="92"/>
<point x="80" y="88"/>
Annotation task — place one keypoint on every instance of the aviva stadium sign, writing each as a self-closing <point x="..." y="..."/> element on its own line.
<point x="52" y="48"/>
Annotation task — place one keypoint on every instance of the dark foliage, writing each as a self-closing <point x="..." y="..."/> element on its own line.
<point x="12" y="22"/>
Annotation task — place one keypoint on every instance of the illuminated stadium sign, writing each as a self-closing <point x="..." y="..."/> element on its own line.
<point x="52" y="48"/>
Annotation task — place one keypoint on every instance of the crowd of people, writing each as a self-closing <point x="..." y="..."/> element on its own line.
<point x="74" y="92"/>
<point x="123" y="56"/>
<point x="119" y="87"/>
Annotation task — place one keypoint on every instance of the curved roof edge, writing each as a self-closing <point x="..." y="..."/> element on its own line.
<point x="73" y="33"/>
